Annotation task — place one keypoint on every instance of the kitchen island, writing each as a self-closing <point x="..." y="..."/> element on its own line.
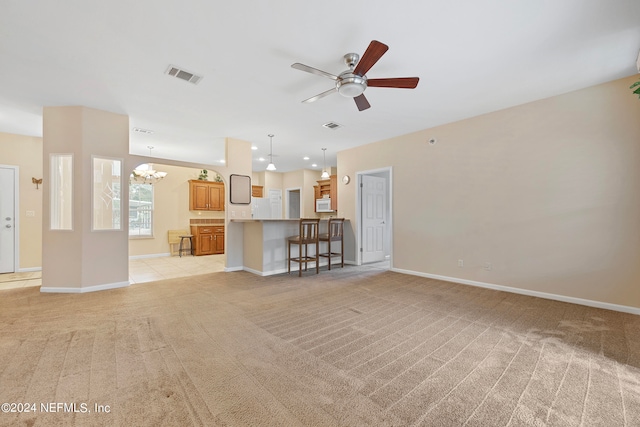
<point x="265" y="244"/>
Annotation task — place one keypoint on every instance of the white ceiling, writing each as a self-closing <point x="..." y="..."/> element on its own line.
<point x="472" y="57"/>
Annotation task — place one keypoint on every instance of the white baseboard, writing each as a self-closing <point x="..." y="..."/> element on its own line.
<point x="545" y="295"/>
<point x="132" y="257"/>
<point x="265" y="273"/>
<point x="229" y="269"/>
<point x="29" y="269"/>
<point x="106" y="286"/>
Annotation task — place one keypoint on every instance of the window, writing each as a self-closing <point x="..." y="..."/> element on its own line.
<point x="61" y="213"/>
<point x="140" y="210"/>
<point x="107" y="175"/>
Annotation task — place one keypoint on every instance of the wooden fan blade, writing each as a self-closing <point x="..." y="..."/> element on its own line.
<point x="397" y="82"/>
<point x="361" y="102"/>
<point x="370" y="57"/>
<point x="321" y="95"/>
<point x="312" y="70"/>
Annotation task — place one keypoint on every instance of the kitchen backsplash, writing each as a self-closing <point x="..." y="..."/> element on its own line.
<point x="195" y="221"/>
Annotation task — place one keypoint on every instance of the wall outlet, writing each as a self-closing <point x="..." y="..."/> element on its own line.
<point x="460" y="263"/>
<point x="31" y="213"/>
<point x="244" y="214"/>
<point x="233" y="213"/>
<point x="487" y="266"/>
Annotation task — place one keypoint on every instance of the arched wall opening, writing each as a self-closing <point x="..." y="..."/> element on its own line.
<point x="152" y="221"/>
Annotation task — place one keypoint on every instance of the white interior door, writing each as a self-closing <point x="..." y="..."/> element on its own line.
<point x="7" y="219"/>
<point x="374" y="218"/>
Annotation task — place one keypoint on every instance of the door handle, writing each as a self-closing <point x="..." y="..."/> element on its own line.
<point x="8" y="226"/>
<point x="8" y="218"/>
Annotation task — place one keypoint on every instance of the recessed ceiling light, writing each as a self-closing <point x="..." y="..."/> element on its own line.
<point x="253" y="147"/>
<point x="261" y="159"/>
<point x="305" y="158"/>
<point x="222" y="161"/>
<point x="313" y="165"/>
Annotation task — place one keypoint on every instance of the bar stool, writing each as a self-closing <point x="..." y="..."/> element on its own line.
<point x="308" y="236"/>
<point x="181" y="249"/>
<point x="335" y="232"/>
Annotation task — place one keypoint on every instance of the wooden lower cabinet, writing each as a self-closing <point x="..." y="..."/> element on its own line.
<point x="208" y="239"/>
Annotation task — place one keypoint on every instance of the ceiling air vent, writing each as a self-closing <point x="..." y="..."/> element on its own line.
<point x="140" y="130"/>
<point x="332" y="125"/>
<point x="183" y="75"/>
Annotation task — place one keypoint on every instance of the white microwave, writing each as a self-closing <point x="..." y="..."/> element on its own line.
<point x="323" y="205"/>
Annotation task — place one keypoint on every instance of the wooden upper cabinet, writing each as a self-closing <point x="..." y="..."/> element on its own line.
<point x="328" y="187"/>
<point x="257" y="191"/>
<point x="206" y="195"/>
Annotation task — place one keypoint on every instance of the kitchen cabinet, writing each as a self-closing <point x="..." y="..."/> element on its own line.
<point x="208" y="239"/>
<point x="206" y="195"/>
<point x="257" y="191"/>
<point x="327" y="188"/>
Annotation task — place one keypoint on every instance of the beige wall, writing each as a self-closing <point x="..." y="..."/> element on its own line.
<point x="547" y="192"/>
<point x="171" y="209"/>
<point x="82" y="258"/>
<point x="26" y="153"/>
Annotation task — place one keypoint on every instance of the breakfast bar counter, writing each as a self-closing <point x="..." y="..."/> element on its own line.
<point x="265" y="243"/>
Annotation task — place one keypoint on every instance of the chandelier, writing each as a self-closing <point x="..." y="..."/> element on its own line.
<point x="145" y="173"/>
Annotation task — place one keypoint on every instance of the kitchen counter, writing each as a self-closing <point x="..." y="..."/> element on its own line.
<point x="265" y="243"/>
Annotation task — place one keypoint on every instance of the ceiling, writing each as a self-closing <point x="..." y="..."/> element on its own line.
<point x="113" y="55"/>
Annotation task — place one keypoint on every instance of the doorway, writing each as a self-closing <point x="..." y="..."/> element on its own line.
<point x="293" y="203"/>
<point x="375" y="217"/>
<point x="8" y="219"/>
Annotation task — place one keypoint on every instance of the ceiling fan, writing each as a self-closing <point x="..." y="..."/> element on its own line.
<point x="353" y="82"/>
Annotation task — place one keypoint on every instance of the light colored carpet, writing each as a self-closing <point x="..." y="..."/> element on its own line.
<point x="354" y="347"/>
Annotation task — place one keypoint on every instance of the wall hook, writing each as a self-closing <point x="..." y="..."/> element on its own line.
<point x="36" y="182"/>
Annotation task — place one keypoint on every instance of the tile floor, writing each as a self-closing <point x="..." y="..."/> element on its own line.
<point x="140" y="270"/>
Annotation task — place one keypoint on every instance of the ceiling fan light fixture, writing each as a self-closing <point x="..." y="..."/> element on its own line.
<point x="351" y="85"/>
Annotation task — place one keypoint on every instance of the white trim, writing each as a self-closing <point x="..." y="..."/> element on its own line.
<point x="106" y="286"/>
<point x="545" y="295"/>
<point x="358" y="181"/>
<point x="230" y="269"/>
<point x="323" y="263"/>
<point x="134" y="257"/>
<point x="29" y="269"/>
<point x="264" y="273"/>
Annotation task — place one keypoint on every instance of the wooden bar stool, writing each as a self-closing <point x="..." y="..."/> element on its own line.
<point x="308" y="236"/>
<point x="335" y="232"/>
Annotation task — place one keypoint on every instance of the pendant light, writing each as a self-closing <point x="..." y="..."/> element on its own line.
<point x="325" y="174"/>
<point x="271" y="166"/>
<point x="147" y="175"/>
